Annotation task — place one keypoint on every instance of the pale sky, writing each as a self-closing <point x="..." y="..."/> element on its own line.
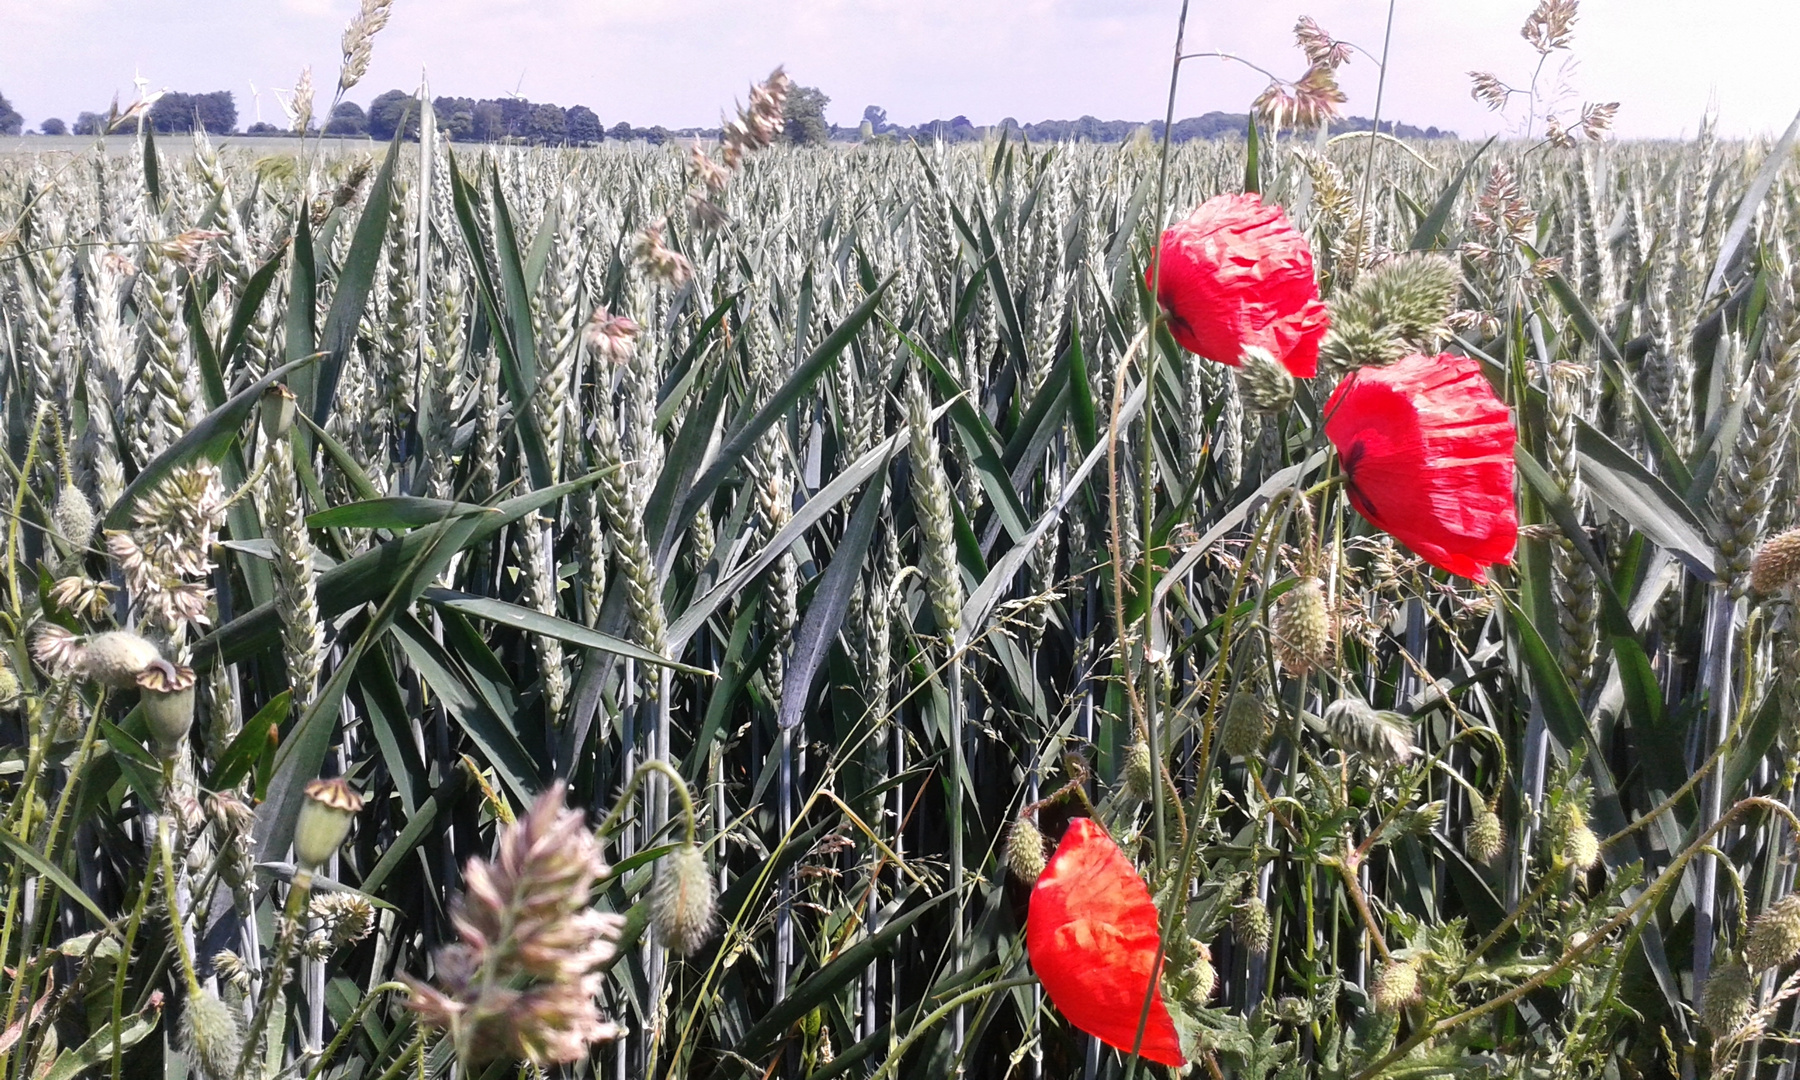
<point x="680" y="62"/>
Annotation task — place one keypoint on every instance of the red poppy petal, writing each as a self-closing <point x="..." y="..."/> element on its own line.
<point x="1092" y="936"/>
<point x="1427" y="449"/>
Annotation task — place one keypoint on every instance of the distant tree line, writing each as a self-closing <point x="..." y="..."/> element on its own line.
<point x="1213" y="125"/>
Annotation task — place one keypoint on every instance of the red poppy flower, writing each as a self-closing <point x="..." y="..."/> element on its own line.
<point x="1427" y="450"/>
<point x="1236" y="274"/>
<point x="1092" y="936"/>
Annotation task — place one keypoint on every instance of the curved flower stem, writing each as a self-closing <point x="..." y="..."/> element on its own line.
<point x="349" y="1025"/>
<point x="299" y="892"/>
<point x="167" y="858"/>
<point x="919" y="1029"/>
<point x="679" y="785"/>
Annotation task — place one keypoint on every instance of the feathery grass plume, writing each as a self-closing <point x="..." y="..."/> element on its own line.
<point x="1025" y="849"/>
<point x="682" y="903"/>
<point x="340" y="919"/>
<point x="296" y="590"/>
<point x="1550" y="25"/>
<point x="210" y="1035"/>
<point x="1264" y="385"/>
<point x="1251" y="924"/>
<point x="1384" y="737"/>
<point x="166" y="557"/>
<point x="1486" y="839"/>
<point x="1302" y="628"/>
<point x="1245" y="725"/>
<point x="1397" y="986"/>
<point x="521" y="980"/>
<point x="359" y="40"/>
<point x="756" y="126"/>
<point x="659" y="261"/>
<point x="1727" y="999"/>
<point x="82" y="596"/>
<point x="1774" y="938"/>
<point x="931" y="498"/>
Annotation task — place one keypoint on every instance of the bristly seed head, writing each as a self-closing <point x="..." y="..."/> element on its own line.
<point x="1726" y="1002"/>
<point x="1487" y="838"/>
<point x="1245" y="726"/>
<point x="1139" y="773"/>
<point x="1302" y="628"/>
<point x="1774" y="938"/>
<point x="1777" y="563"/>
<point x="1025" y="850"/>
<point x="682" y="902"/>
<point x="1397" y="986"/>
<point x="210" y="1036"/>
<point x="1250" y="922"/>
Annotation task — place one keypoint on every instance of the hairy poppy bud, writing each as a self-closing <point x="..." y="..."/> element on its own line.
<point x="1384" y="737"/>
<point x="1199" y="978"/>
<point x="1250" y="923"/>
<point x="1397" y="986"/>
<point x="1726" y="1001"/>
<point x="1775" y="935"/>
<point x="1139" y="774"/>
<point x="1025" y="850"/>
<point x="1235" y="273"/>
<point x="167" y="698"/>
<point x="1245" y="727"/>
<point x="116" y="658"/>
<point x="210" y="1036"/>
<point x="74" y="516"/>
<point x="1487" y="838"/>
<point x="1427" y="452"/>
<point x="1302" y="627"/>
<point x="1264" y="384"/>
<point x="10" y="691"/>
<point x="682" y="903"/>
<point x="325" y="816"/>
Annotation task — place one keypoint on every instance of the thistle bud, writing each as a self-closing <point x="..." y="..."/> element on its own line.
<point x="681" y="903"/>
<point x="1775" y="935"/>
<point x="1250" y="923"/>
<point x="1777" y="563"/>
<point x="1487" y="838"/>
<point x="1302" y="627"/>
<point x="1025" y="850"/>
<point x="167" y="698"/>
<point x="277" y="411"/>
<point x="1139" y="773"/>
<point x="1397" y="986"/>
<point x="116" y="658"/>
<point x="1199" y="978"/>
<point x="325" y="816"/>
<point x="1264" y="384"/>
<point x="1245" y="727"/>
<point x="210" y="1036"/>
<point x="74" y="516"/>
<point x="1725" y="1003"/>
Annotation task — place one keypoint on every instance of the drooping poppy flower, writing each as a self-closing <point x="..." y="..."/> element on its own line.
<point x="1235" y="274"/>
<point x="1092" y="937"/>
<point x="1427" y="452"/>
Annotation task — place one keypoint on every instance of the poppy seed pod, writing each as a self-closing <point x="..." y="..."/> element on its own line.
<point x="1093" y="939"/>
<point x="1427" y="453"/>
<point x="277" y="413"/>
<point x="166" y="694"/>
<point x="1236" y="274"/>
<point x="682" y="903"/>
<point x="325" y="816"/>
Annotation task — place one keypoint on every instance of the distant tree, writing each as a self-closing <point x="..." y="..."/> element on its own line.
<point x="53" y="126"/>
<point x="546" y="125"/>
<point x="10" y="120"/>
<point x="217" y="112"/>
<point x="455" y="117"/>
<point x="173" y="113"/>
<point x="805" y="113"/>
<point x="392" y="111"/>
<point x="263" y="127"/>
<point x="655" y="134"/>
<point x="347" y="119"/>
<point x="583" y="126"/>
<point x="621" y="131"/>
<point x="515" y="116"/>
<point x="90" y="123"/>
<point x="489" y="123"/>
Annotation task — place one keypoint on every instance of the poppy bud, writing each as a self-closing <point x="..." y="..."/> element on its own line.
<point x="1397" y="986"/>
<point x="325" y="816"/>
<point x="1487" y="838"/>
<point x="1139" y="774"/>
<point x="1199" y="978"/>
<point x="1245" y="727"/>
<point x="1353" y="726"/>
<point x="116" y="658"/>
<point x="210" y="1036"/>
<point x="1250" y="923"/>
<point x="10" y="691"/>
<point x="74" y="516"/>
<point x="1777" y="563"/>
<point x="167" y="698"/>
<point x="1775" y="935"/>
<point x="681" y="902"/>
<point x="1025" y="850"/>
<point x="1235" y="273"/>
<point x="1576" y="843"/>
<point x="1725" y="1003"/>
<point x="277" y="413"/>
<point x="1302" y="627"/>
<point x="1265" y="385"/>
